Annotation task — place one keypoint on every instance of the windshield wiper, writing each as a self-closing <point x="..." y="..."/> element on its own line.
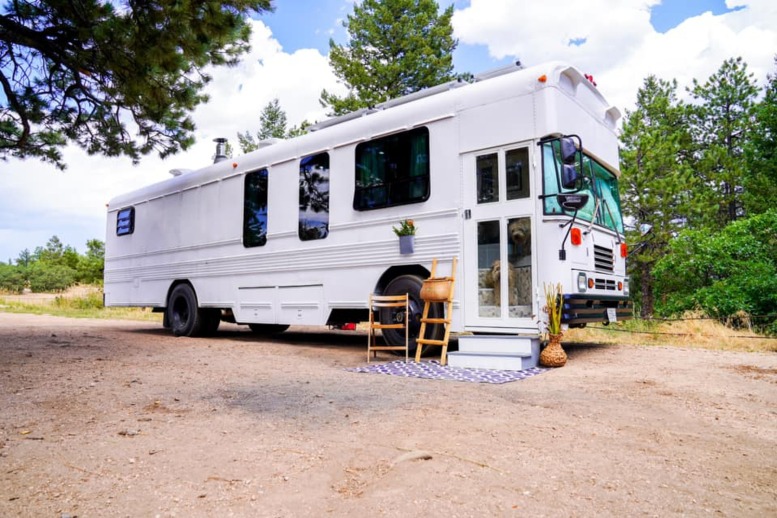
<point x="607" y="206"/>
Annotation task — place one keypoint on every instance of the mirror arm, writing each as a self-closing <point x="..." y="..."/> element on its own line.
<point x="562" y="254"/>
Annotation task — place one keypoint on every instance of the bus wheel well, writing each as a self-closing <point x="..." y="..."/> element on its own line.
<point x="398" y="271"/>
<point x="172" y="287"/>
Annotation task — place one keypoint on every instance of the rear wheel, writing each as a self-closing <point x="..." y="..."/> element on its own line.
<point x="184" y="317"/>
<point x="410" y="284"/>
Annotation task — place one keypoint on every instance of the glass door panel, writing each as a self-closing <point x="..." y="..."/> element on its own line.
<point x="489" y="285"/>
<point x="519" y="260"/>
<point x="488" y="178"/>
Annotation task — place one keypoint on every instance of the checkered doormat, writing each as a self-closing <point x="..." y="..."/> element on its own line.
<point x="433" y="370"/>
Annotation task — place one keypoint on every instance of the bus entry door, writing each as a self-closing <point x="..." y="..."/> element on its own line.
<point x="498" y="240"/>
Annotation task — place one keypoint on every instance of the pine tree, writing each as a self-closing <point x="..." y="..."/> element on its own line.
<point x="115" y="77"/>
<point x="272" y="125"/>
<point x="656" y="180"/>
<point x="721" y="121"/>
<point x="396" y="47"/>
<point x="760" y="182"/>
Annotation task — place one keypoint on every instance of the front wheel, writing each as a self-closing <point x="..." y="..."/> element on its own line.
<point x="184" y="317"/>
<point x="410" y="284"/>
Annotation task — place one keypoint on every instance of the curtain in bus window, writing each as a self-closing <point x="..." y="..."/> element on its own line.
<point x="419" y="166"/>
<point x="255" y="209"/>
<point x="314" y="197"/>
<point x="371" y="191"/>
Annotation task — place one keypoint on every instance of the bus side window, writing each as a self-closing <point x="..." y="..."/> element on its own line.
<point x="314" y="197"/>
<point x="255" y="209"/>
<point x="125" y="221"/>
<point x="392" y="170"/>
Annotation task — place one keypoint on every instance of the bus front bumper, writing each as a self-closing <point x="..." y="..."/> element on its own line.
<point x="582" y="309"/>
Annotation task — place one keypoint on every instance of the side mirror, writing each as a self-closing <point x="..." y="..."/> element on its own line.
<point x="568" y="150"/>
<point x="572" y="201"/>
<point x="570" y="158"/>
<point x="569" y="176"/>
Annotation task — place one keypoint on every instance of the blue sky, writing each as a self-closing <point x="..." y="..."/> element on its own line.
<point x="620" y="42"/>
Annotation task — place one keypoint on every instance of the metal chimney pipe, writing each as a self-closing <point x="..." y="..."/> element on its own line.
<point x="221" y="149"/>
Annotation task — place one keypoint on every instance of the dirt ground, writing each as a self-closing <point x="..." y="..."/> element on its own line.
<point x="110" y="418"/>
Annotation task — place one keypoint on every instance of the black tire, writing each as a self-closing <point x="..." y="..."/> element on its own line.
<point x="411" y="284"/>
<point x="182" y="312"/>
<point x="268" y="329"/>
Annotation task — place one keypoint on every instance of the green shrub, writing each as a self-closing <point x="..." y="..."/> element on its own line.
<point x="11" y="279"/>
<point x="721" y="273"/>
<point x="47" y="278"/>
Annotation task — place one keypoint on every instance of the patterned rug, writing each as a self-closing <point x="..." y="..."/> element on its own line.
<point x="433" y="370"/>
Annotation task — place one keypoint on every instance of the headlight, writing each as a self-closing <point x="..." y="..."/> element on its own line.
<point x="581" y="282"/>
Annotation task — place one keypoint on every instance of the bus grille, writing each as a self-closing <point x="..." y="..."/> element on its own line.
<point x="603" y="259"/>
<point x="604" y="284"/>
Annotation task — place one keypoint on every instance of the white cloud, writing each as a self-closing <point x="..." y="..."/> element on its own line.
<point x="238" y="94"/>
<point x="38" y="201"/>
<point x="617" y="43"/>
<point x="534" y="32"/>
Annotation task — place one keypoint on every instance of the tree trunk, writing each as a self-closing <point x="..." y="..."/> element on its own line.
<point x="646" y="285"/>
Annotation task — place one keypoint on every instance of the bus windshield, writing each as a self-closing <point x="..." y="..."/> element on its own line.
<point x="603" y="207"/>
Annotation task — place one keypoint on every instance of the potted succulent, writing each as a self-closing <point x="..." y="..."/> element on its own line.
<point x="553" y="355"/>
<point x="406" y="232"/>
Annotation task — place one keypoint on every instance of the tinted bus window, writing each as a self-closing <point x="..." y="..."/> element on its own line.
<point x="314" y="197"/>
<point x="392" y="170"/>
<point x="255" y="209"/>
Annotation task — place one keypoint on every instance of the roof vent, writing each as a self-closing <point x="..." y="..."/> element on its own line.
<point x="221" y="150"/>
<point x="488" y="74"/>
<point x="267" y="142"/>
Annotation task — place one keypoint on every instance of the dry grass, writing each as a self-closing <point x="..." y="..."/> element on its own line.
<point x="76" y="302"/>
<point x="694" y="331"/>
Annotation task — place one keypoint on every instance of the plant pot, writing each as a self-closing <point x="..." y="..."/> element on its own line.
<point x="553" y="354"/>
<point x="436" y="290"/>
<point x="406" y="244"/>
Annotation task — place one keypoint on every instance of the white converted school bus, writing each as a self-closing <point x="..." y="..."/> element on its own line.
<point x="517" y="168"/>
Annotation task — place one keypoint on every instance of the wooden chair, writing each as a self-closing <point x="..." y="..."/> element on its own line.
<point x="377" y="303"/>
<point x="436" y="290"/>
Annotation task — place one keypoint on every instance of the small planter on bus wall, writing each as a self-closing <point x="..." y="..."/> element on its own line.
<point x="406" y="233"/>
<point x="406" y="244"/>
